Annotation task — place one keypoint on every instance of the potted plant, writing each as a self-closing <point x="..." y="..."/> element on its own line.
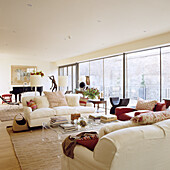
<point x="91" y="93"/>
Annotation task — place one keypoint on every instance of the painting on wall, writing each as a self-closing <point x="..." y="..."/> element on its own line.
<point x="20" y="75"/>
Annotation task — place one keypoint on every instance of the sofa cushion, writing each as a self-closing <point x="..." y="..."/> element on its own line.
<point x="41" y="102"/>
<point x="65" y="110"/>
<point x="85" y="109"/>
<point x="42" y="112"/>
<point x="160" y="107"/>
<point x="55" y="99"/>
<point x="151" y="117"/>
<point x="145" y="105"/>
<point x="72" y="99"/>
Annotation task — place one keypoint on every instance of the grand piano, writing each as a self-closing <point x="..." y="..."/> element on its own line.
<point x="18" y="90"/>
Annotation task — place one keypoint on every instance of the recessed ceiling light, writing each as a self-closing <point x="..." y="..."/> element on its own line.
<point x="30" y="5"/>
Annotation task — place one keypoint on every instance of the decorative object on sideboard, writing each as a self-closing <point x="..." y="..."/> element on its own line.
<point x="87" y="80"/>
<point x="82" y="86"/>
<point x="63" y="82"/>
<point x="54" y="84"/>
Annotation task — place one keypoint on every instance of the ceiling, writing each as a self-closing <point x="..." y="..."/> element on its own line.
<point x="57" y="29"/>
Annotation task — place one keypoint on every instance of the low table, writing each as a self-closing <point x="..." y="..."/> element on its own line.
<point x="97" y="102"/>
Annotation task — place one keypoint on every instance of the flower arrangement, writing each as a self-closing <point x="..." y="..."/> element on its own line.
<point x="91" y="93"/>
<point x="38" y="73"/>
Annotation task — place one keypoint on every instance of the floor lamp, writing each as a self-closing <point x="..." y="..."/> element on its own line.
<point x="35" y="80"/>
<point x="62" y="82"/>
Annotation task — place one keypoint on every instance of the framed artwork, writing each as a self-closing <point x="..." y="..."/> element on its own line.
<point x="20" y="75"/>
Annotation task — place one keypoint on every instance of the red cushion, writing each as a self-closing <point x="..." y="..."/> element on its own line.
<point x="126" y="116"/>
<point x="88" y="142"/>
<point x="160" y="107"/>
<point x="121" y="110"/>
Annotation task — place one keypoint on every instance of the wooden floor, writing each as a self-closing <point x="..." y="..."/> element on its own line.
<point x="8" y="160"/>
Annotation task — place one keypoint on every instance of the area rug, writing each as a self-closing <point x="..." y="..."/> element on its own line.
<point x="8" y="112"/>
<point x="33" y="153"/>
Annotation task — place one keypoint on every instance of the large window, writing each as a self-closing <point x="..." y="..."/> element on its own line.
<point x="96" y="74"/>
<point x="113" y="76"/>
<point x="143" y="75"/>
<point x="165" y="58"/>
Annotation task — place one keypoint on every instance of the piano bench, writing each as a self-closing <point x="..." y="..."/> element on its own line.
<point x="7" y="97"/>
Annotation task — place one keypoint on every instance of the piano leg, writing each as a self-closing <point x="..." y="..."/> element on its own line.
<point x="20" y="97"/>
<point x="15" y="97"/>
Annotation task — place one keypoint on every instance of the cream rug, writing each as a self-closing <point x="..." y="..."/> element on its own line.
<point x="7" y="112"/>
<point x="35" y="154"/>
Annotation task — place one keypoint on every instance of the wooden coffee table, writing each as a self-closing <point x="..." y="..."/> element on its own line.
<point x="97" y="102"/>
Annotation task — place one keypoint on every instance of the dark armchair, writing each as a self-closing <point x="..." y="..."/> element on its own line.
<point x="116" y="102"/>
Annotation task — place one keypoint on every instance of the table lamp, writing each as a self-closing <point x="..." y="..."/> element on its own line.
<point x="63" y="82"/>
<point x="35" y="80"/>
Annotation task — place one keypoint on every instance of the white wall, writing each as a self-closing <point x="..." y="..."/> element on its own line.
<point x="5" y="72"/>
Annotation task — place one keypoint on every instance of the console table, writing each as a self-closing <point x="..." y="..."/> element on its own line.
<point x="97" y="102"/>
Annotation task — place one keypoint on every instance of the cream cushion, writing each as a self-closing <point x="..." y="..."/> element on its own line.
<point x="82" y="109"/>
<point x="55" y="99"/>
<point x="64" y="110"/>
<point x="72" y="99"/>
<point x="41" y="102"/>
<point x="42" y="112"/>
<point x="145" y="105"/>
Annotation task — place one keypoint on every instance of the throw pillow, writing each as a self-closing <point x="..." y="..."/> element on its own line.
<point x="145" y="105"/>
<point x="72" y="99"/>
<point x="151" y="117"/>
<point x="32" y="104"/>
<point x="88" y="141"/>
<point x="83" y="101"/>
<point x="55" y="99"/>
<point x="41" y="102"/>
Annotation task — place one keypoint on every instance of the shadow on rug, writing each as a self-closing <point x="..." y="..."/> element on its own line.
<point x="33" y="153"/>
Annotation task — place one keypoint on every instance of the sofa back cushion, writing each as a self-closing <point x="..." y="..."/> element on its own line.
<point x="41" y="101"/>
<point x="145" y="105"/>
<point x="27" y="99"/>
<point x="72" y="99"/>
<point x="56" y="99"/>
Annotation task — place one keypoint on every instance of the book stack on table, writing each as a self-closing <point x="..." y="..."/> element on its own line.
<point x="95" y="116"/>
<point x="55" y="121"/>
<point x="68" y="127"/>
<point x="108" y="118"/>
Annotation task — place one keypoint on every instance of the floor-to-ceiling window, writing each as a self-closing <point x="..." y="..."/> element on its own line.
<point x="143" y="75"/>
<point x="113" y="76"/>
<point x="96" y="74"/>
<point x="165" y="58"/>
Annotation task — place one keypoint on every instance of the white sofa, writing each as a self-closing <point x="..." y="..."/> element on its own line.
<point x="43" y="113"/>
<point x="133" y="148"/>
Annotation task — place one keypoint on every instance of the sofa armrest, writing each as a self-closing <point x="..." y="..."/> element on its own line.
<point x="122" y="110"/>
<point x="86" y="156"/>
<point x="89" y="104"/>
<point x="27" y="111"/>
